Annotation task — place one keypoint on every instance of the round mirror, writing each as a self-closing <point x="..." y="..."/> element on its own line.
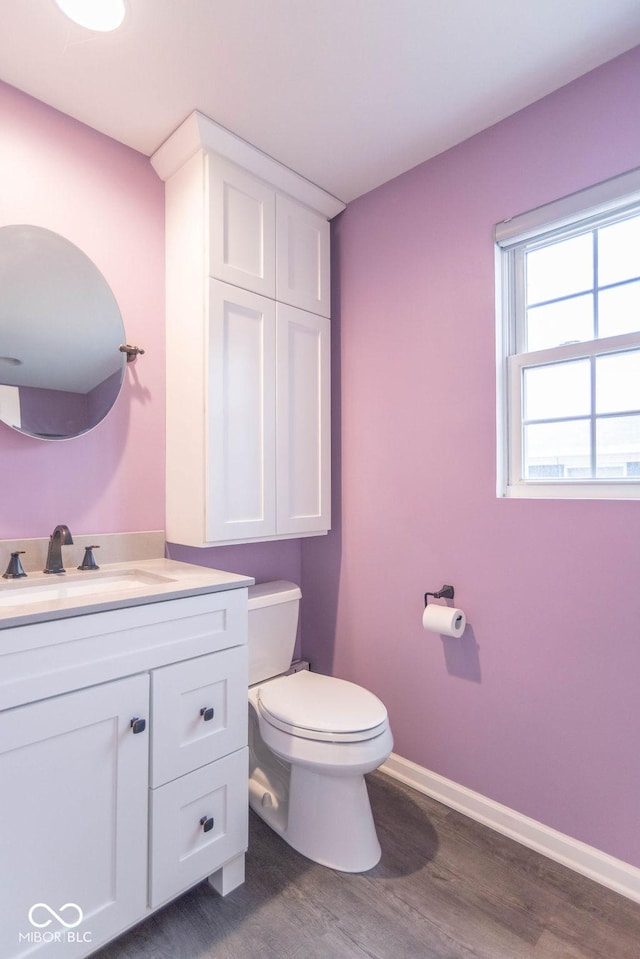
<point x="61" y="368"/>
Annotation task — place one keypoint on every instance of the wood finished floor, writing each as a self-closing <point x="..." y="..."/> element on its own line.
<point x="445" y="888"/>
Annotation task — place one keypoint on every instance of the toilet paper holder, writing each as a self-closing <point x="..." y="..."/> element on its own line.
<point x="445" y="593"/>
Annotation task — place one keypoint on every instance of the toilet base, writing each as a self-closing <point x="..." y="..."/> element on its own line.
<point x="330" y="820"/>
<point x="327" y="818"/>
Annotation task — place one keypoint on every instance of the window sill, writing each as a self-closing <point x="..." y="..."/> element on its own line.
<point x="590" y="490"/>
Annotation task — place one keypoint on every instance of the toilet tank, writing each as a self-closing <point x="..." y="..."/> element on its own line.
<point x="273" y="626"/>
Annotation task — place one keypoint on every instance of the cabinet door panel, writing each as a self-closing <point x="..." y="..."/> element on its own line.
<point x="302" y="261"/>
<point x="182" y="852"/>
<point x="183" y="736"/>
<point x="241" y="415"/>
<point x="242" y="228"/>
<point x="73" y="817"/>
<point x="303" y="418"/>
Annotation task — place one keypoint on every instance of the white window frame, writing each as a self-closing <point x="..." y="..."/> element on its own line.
<point x="612" y="199"/>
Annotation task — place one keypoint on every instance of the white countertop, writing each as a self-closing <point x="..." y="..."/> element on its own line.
<point x="39" y="597"/>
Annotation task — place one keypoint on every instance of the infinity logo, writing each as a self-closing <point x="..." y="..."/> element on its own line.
<point x="56" y="915"/>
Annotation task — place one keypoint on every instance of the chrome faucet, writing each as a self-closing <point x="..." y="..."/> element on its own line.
<point x="60" y="537"/>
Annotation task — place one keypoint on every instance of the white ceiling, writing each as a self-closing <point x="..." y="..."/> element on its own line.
<point x="349" y="93"/>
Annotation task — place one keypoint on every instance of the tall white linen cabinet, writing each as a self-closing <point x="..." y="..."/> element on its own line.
<point x="248" y="342"/>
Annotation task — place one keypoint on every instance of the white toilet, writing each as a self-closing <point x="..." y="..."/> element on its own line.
<point x="311" y="740"/>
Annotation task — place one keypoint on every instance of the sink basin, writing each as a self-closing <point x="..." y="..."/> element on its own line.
<point x="59" y="587"/>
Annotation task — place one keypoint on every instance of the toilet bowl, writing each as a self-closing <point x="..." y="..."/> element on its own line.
<point x="312" y="739"/>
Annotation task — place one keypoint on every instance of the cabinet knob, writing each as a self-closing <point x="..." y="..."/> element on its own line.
<point x="207" y="823"/>
<point x="138" y="725"/>
<point x="207" y="713"/>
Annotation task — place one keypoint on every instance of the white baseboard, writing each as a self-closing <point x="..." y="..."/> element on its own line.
<point x="584" y="859"/>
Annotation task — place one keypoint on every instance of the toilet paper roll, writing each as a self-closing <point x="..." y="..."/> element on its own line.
<point x="444" y="620"/>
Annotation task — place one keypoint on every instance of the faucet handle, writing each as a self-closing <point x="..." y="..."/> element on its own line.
<point x="14" y="569"/>
<point x="88" y="561"/>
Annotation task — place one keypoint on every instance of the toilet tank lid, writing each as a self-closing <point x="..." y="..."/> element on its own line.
<point x="271" y="594"/>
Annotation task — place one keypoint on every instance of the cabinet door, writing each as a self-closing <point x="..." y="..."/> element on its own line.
<point x="240" y="415"/>
<point x="303" y="418"/>
<point x="302" y="257"/>
<point x="73" y="819"/>
<point x="241" y="228"/>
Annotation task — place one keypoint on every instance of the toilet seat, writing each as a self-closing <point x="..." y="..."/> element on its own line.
<point x="322" y="708"/>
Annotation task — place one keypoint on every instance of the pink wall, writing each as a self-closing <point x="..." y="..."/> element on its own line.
<point x="537" y="705"/>
<point x="59" y="174"/>
<point x="105" y="198"/>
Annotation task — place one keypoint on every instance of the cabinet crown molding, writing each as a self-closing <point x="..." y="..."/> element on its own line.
<point x="198" y="132"/>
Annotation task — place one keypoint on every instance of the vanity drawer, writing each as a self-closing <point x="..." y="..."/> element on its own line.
<point x="198" y="712"/>
<point x="182" y="852"/>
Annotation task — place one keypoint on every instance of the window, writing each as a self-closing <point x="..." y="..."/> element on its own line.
<point x="569" y="346"/>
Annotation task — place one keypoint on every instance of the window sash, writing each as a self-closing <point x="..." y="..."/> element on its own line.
<point x="516" y="483"/>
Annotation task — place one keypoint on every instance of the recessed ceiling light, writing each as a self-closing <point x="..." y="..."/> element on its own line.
<point x="100" y="15"/>
<point x="11" y="360"/>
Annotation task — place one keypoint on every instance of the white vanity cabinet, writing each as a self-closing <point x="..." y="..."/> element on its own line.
<point x="123" y="766"/>
<point x="248" y="351"/>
